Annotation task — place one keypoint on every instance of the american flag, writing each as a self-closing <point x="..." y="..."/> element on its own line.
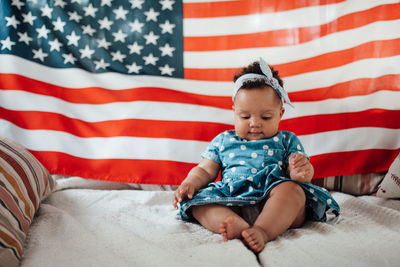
<point x="133" y="91"/>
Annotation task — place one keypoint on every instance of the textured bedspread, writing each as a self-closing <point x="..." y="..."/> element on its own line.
<point x="98" y="227"/>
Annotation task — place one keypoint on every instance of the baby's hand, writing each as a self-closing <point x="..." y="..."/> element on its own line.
<point x="300" y="168"/>
<point x="185" y="190"/>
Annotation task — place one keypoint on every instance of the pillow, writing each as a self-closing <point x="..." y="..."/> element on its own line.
<point x="24" y="183"/>
<point x="390" y="186"/>
<point x="357" y="184"/>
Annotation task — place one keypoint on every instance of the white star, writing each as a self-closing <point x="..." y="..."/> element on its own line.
<point x="105" y="23"/>
<point x="166" y="4"/>
<point x="60" y="3"/>
<point x="117" y="56"/>
<point x="46" y="11"/>
<point x="150" y="59"/>
<point x="106" y="3"/>
<point x="87" y="52"/>
<point x="119" y="36"/>
<point x="59" y="25"/>
<point x="167" y="50"/>
<point x="166" y="70"/>
<point x="42" y="32"/>
<point x="12" y="21"/>
<point x="23" y="37"/>
<point x="136" y="3"/>
<point x="39" y="54"/>
<point x="135" y="48"/>
<point x="17" y="3"/>
<point x="101" y="64"/>
<point x="69" y="58"/>
<point x="133" y="68"/>
<point x="29" y="18"/>
<point x="87" y="29"/>
<point x="55" y="45"/>
<point x="136" y="26"/>
<point x="90" y="10"/>
<point x="120" y="13"/>
<point x="73" y="38"/>
<point x="167" y="27"/>
<point x="7" y="43"/>
<point x="151" y="15"/>
<point x="151" y="38"/>
<point x="74" y="16"/>
<point x="103" y="43"/>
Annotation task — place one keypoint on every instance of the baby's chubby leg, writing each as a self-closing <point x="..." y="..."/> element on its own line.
<point x="220" y="219"/>
<point x="284" y="209"/>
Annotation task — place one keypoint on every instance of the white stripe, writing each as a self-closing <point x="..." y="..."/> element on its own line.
<point x="366" y="68"/>
<point x="351" y="140"/>
<point x="23" y="101"/>
<point x="184" y="150"/>
<point x="77" y="78"/>
<point x="388" y="100"/>
<point x="382" y="30"/>
<point x="302" y="17"/>
<point x="103" y="148"/>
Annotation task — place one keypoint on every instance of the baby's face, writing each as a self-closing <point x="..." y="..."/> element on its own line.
<point x="258" y="112"/>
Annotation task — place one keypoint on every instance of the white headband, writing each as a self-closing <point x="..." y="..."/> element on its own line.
<point x="267" y="77"/>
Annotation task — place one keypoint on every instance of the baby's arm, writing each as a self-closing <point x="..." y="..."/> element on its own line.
<point x="300" y="168"/>
<point x="197" y="178"/>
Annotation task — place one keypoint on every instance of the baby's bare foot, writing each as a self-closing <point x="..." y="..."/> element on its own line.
<point x="232" y="227"/>
<point x="255" y="238"/>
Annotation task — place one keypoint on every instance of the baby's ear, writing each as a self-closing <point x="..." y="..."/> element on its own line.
<point x="282" y="112"/>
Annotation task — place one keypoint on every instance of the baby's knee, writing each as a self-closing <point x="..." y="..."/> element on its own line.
<point x="291" y="190"/>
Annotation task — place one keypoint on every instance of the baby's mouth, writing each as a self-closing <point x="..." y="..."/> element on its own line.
<point x="255" y="133"/>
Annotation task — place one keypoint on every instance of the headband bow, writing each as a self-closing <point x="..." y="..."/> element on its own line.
<point x="267" y="77"/>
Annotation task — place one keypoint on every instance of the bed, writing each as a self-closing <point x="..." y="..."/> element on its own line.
<point x="53" y="220"/>
<point x="93" y="223"/>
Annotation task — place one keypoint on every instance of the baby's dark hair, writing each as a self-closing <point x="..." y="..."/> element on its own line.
<point x="255" y="68"/>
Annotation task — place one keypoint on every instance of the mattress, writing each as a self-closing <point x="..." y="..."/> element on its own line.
<point x="94" y="223"/>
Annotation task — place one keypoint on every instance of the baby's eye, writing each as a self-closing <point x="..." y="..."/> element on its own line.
<point x="245" y="117"/>
<point x="266" y="118"/>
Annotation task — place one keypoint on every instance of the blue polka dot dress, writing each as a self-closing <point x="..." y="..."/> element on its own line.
<point x="250" y="169"/>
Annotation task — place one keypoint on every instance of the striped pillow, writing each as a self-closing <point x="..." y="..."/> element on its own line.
<point x="357" y="184"/>
<point x="24" y="183"/>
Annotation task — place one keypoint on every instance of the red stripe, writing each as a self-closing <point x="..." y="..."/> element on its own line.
<point x="356" y="87"/>
<point x="246" y="7"/>
<point x="102" y="96"/>
<point x="341" y="121"/>
<point x="386" y="48"/>
<point x="121" y="170"/>
<point x="293" y="36"/>
<point x="353" y="162"/>
<point x="200" y="131"/>
<point x="96" y="95"/>
<point x="172" y="173"/>
<point x="36" y="120"/>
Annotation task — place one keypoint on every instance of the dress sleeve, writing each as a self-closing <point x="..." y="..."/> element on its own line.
<point x="214" y="148"/>
<point x="293" y="146"/>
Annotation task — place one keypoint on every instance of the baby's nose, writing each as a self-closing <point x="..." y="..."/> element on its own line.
<point x="254" y="122"/>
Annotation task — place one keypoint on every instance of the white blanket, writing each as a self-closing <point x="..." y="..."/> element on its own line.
<point x="97" y="227"/>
